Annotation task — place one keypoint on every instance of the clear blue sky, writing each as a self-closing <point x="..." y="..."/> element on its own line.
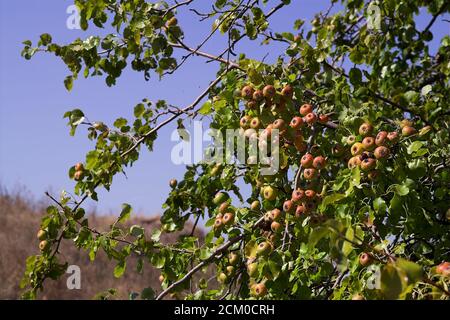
<point x="35" y="147"/>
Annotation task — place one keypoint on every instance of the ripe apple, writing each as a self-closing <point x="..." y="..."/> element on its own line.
<point x="381" y="152"/>
<point x="276" y="226"/>
<point x="252" y="269"/>
<point x="393" y="137"/>
<point x="351" y="140"/>
<point x="223" y="278"/>
<point x="305" y="109"/>
<point x="275" y="214"/>
<point x="263" y="249"/>
<point x="298" y="195"/>
<point x="300" y="211"/>
<point x="443" y="269"/>
<point x="224" y="207"/>
<point x="323" y="118"/>
<point x="260" y="290"/>
<point x="255" y="206"/>
<point x="310" y="173"/>
<point x="296" y="122"/>
<point x="299" y="144"/>
<point x="252" y="104"/>
<point x="270" y="193"/>
<point x="42" y="235"/>
<point x="218" y="223"/>
<point x="172" y="22"/>
<point x="368" y="164"/>
<point x="258" y="95"/>
<point x="219" y="198"/>
<point x="288" y="206"/>
<point x="405" y="123"/>
<point x="369" y="143"/>
<point x="408" y="131"/>
<point x="247" y="92"/>
<point x="279" y="124"/>
<point x="310" y="118"/>
<point x="287" y="92"/>
<point x="365" y="129"/>
<point x="269" y="91"/>
<point x="229" y="270"/>
<point x="373" y="175"/>
<point x="173" y="183"/>
<point x="381" y="137"/>
<point x="357" y="149"/>
<point x="307" y="160"/>
<point x="354" y="162"/>
<point x="365" y="259"/>
<point x="245" y="122"/>
<point x="78" y="175"/>
<point x="319" y="162"/>
<point x="310" y="194"/>
<point x="228" y="219"/>
<point x="79" y="167"/>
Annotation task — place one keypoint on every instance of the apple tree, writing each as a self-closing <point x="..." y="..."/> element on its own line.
<point x="357" y="105"/>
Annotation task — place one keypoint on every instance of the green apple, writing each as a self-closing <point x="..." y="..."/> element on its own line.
<point x="220" y="197"/>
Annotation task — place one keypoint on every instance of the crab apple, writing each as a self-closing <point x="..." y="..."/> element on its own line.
<point x="79" y="167"/>
<point x="393" y="137"/>
<point x="252" y="104"/>
<point x="42" y="235"/>
<point x="310" y="118"/>
<point x="319" y="162"/>
<point x="323" y="118"/>
<point x="263" y="249"/>
<point x="269" y="91"/>
<point x="255" y="206"/>
<point x="408" y="131"/>
<point x="267" y="132"/>
<point x="223" y="278"/>
<point x="260" y="290"/>
<point x="172" y="22"/>
<point x="275" y="214"/>
<point x="381" y="137"/>
<point x="310" y="206"/>
<point x="245" y="122"/>
<point x="443" y="269"/>
<point x="252" y="269"/>
<point x="354" y="162"/>
<point x="368" y="164"/>
<point x="275" y="226"/>
<point x="357" y="149"/>
<point x="258" y="95"/>
<point x="270" y="193"/>
<point x="100" y="126"/>
<point x="279" y="124"/>
<point x="296" y="122"/>
<point x="247" y="92"/>
<point x="173" y="183"/>
<point x="298" y="195"/>
<point x="255" y="123"/>
<point x="229" y="270"/>
<point x="161" y="278"/>
<point x="351" y="140"/>
<point x="365" y="129"/>
<point x="310" y="194"/>
<point x="224" y="207"/>
<point x="78" y="175"/>
<point x="369" y="143"/>
<point x="44" y="245"/>
<point x="300" y="211"/>
<point x="219" y="198"/>
<point x="310" y="173"/>
<point x="299" y="144"/>
<point x="288" y="206"/>
<point x="287" y="91"/>
<point x="365" y="259"/>
<point x="366" y="155"/>
<point x="218" y="223"/>
<point x="358" y="297"/>
<point x="307" y="160"/>
<point x="381" y="152"/>
<point x="228" y="219"/>
<point x="305" y="109"/>
<point x="373" y="175"/>
<point x="233" y="258"/>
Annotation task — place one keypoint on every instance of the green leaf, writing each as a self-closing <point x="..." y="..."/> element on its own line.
<point x="391" y="283"/>
<point x="347" y="247"/>
<point x="156" y="235"/>
<point x="136" y="231"/>
<point x="148" y="294"/>
<point x="139" y="110"/>
<point x="355" y="76"/>
<point x="68" y="83"/>
<point x="401" y="190"/>
<point x="119" y="270"/>
<point x="426" y="90"/>
<point x="415" y="146"/>
<point x="413" y="271"/>
<point x="379" y="205"/>
<point x="125" y="214"/>
<point x="206" y="108"/>
<point x="332" y="198"/>
<point x="317" y="234"/>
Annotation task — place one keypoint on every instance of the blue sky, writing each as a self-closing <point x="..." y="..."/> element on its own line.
<point x="35" y="147"/>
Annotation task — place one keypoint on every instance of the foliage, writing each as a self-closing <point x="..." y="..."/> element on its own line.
<point x="361" y="81"/>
